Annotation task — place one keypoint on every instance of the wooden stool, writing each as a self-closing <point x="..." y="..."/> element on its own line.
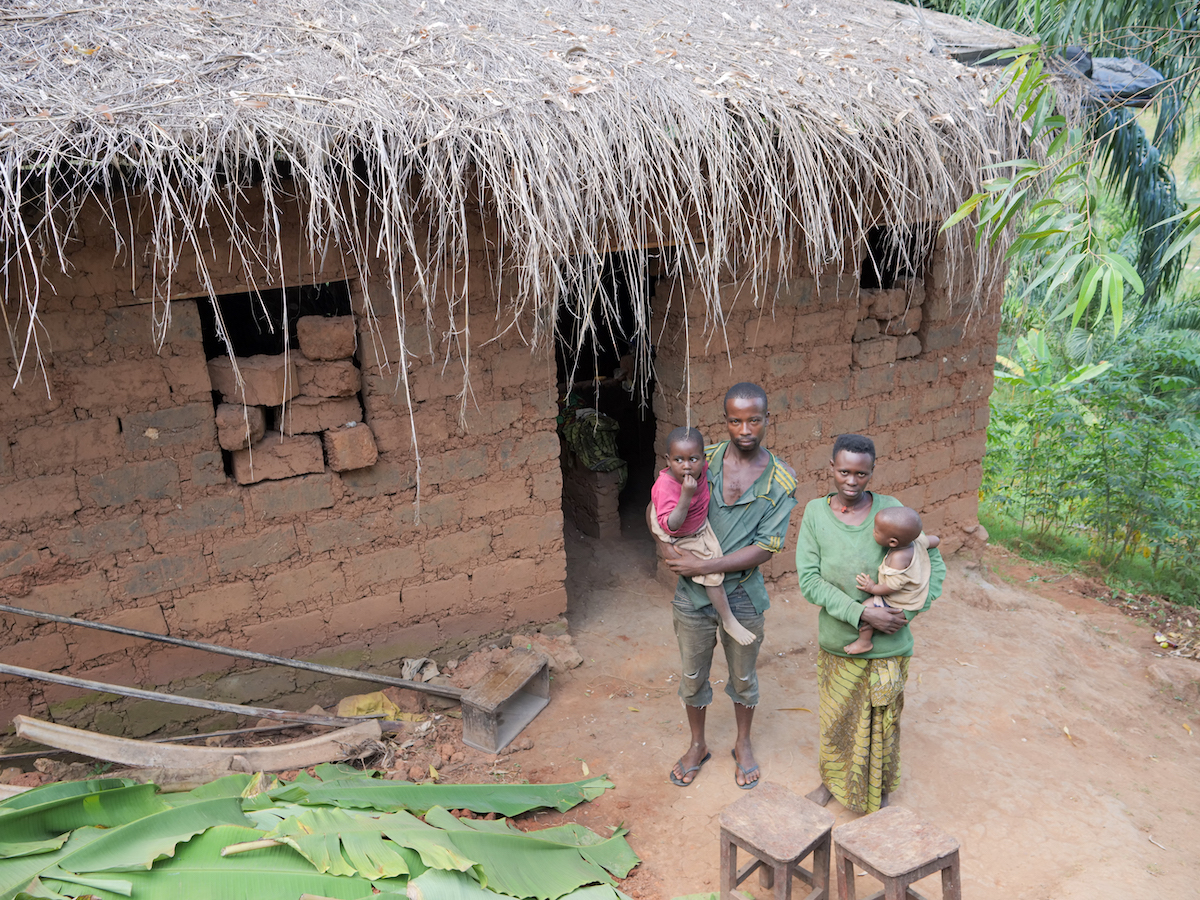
<point x="778" y="829"/>
<point x="896" y="847"/>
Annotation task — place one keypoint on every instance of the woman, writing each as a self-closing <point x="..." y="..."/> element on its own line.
<point x="861" y="696"/>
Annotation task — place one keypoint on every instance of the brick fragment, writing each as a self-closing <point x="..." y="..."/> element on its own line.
<point x="312" y="415"/>
<point x="110" y="536"/>
<point x="175" y="426"/>
<point x="322" y="337"/>
<point x="905" y="323"/>
<point x="201" y="611"/>
<point x="43" y="448"/>
<point x="268" y="546"/>
<point x="239" y="426"/>
<point x="157" y="480"/>
<point x="68" y="598"/>
<point x="340" y="378"/>
<point x="269" y="380"/>
<point x="866" y="330"/>
<point x="350" y="447"/>
<point x="887" y="304"/>
<point x="271" y="458"/>
<point x="877" y="352"/>
<point x="908" y="346"/>
<point x="381" y="478"/>
<point x="165" y="573"/>
<point x="293" y="496"/>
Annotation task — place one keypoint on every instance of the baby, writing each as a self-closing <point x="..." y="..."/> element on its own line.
<point x="680" y="497"/>
<point x="904" y="572"/>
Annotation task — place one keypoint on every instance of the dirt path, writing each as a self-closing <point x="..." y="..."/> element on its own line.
<point x="1032" y="732"/>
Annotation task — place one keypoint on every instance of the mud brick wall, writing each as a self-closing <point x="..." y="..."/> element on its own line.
<point x="115" y="504"/>
<point x="905" y="366"/>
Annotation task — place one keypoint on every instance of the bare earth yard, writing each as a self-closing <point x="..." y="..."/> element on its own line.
<point x="1033" y="732"/>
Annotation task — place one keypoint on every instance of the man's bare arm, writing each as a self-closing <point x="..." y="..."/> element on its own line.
<point x="689" y="565"/>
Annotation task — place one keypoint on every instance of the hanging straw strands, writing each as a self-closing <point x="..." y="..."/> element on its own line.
<point x="715" y="128"/>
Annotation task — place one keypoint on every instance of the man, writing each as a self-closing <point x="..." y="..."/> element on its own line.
<point x="750" y="508"/>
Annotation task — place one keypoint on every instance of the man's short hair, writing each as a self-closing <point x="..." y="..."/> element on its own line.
<point x="903" y="523"/>
<point x="746" y="390"/>
<point x="853" y="443"/>
<point x="683" y="434"/>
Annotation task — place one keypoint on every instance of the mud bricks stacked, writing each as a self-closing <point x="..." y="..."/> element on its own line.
<point x="312" y="398"/>
<point x="906" y="367"/>
<point x="115" y="504"/>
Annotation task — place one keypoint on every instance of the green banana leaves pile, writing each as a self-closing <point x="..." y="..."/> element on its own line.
<point x="341" y="833"/>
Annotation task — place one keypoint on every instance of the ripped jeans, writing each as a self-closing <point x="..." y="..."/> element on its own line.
<point x="697" y="631"/>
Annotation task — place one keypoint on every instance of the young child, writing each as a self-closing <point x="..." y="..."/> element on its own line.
<point x="680" y="498"/>
<point x="904" y="572"/>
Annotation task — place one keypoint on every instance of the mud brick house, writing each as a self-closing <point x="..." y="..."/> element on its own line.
<point x="290" y="296"/>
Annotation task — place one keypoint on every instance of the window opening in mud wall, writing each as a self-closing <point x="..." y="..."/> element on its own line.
<point x="605" y="417"/>
<point x="895" y="255"/>
<point x="298" y="412"/>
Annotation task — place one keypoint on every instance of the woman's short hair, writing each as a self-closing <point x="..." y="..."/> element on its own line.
<point x="854" y="443"/>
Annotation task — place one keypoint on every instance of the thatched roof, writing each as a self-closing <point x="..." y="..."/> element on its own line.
<point x="716" y="126"/>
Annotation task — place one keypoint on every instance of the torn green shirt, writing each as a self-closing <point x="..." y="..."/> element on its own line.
<point x="759" y="517"/>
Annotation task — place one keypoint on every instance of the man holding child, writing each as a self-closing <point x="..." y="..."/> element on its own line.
<point x="750" y="507"/>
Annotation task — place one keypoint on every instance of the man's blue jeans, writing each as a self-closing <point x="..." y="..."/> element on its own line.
<point x="697" y="631"/>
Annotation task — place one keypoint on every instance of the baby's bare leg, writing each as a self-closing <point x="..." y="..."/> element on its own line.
<point x="734" y="628"/>
<point x="863" y="644"/>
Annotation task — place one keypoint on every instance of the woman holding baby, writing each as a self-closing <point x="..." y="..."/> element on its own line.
<point x="861" y="673"/>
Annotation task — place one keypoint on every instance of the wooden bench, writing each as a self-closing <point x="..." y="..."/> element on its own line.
<point x="896" y="847"/>
<point x="778" y="829"/>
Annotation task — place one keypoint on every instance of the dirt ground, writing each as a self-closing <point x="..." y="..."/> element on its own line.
<point x="1033" y="731"/>
<point x="1040" y="728"/>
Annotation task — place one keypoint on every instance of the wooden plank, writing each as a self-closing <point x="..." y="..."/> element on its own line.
<point x="293" y="755"/>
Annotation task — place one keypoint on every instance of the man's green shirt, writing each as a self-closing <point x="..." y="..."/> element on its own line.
<point x="759" y="517"/>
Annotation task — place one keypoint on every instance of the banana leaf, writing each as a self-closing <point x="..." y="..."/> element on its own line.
<point x="502" y="799"/>
<point x="198" y="872"/>
<point x="136" y="844"/>
<point x="438" y="884"/>
<point x="344" y="841"/>
<point x="523" y="866"/>
<point x="59" y="815"/>
<point x="16" y="873"/>
<point x="226" y="786"/>
<point x="60" y="790"/>
<point x="613" y="853"/>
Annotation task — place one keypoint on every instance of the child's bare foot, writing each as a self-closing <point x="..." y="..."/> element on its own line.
<point x="739" y="632"/>
<point x="862" y="645"/>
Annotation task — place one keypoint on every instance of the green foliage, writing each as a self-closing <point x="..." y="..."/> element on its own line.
<point x="1050" y="202"/>
<point x="1107" y="452"/>
<point x="109" y="839"/>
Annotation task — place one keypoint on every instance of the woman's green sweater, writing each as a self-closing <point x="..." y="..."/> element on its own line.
<point x="829" y="555"/>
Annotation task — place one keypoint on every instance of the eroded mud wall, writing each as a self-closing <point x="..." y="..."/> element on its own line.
<point x="116" y="505"/>
<point x="908" y="367"/>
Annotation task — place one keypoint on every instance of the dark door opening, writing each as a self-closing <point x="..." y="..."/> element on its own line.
<point x="605" y="390"/>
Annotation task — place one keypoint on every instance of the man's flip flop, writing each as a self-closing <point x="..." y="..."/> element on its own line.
<point x="745" y="773"/>
<point x="678" y="779"/>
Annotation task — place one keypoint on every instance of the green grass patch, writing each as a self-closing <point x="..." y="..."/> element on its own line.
<point x="1072" y="551"/>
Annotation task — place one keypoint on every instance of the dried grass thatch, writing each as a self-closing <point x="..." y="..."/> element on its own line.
<point x="714" y="126"/>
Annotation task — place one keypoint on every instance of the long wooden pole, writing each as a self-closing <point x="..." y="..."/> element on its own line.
<point x="437" y="689"/>
<point x="257" y="711"/>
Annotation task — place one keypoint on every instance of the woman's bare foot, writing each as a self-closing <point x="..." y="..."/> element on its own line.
<point x="820" y="795"/>
<point x="739" y="632"/>
<point x="862" y="645"/>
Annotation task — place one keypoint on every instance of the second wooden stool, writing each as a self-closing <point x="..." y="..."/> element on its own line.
<point x="778" y="829"/>
<point x="896" y="847"/>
